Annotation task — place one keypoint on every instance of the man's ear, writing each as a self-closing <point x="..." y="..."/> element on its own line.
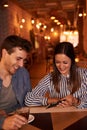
<point x="4" y="52"/>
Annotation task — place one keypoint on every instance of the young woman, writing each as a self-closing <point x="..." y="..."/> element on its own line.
<point x="67" y="82"/>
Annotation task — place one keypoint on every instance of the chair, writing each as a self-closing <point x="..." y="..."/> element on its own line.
<point x="49" y="59"/>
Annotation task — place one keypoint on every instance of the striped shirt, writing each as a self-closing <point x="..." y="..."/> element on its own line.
<point x="37" y="96"/>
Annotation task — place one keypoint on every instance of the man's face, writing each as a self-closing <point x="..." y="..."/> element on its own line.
<point x="14" y="60"/>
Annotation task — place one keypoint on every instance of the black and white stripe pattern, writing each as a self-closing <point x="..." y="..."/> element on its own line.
<point x="37" y="96"/>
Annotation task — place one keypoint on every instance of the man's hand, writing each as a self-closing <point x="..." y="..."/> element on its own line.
<point x="14" y="122"/>
<point x="3" y="113"/>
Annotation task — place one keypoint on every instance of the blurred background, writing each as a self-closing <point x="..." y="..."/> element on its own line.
<point x="45" y="23"/>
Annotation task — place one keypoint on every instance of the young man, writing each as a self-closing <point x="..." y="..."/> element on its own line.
<point x="14" y="80"/>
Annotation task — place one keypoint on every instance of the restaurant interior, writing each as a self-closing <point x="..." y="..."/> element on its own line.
<point x="44" y="23"/>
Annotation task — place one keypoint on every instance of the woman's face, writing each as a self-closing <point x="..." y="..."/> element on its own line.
<point x="63" y="63"/>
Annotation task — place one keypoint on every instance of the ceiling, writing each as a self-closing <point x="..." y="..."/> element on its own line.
<point x="64" y="10"/>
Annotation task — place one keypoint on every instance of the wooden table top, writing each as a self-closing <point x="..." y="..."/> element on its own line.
<point x="57" y="118"/>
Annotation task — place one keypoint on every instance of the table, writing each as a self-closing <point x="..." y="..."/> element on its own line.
<point x="57" y="118"/>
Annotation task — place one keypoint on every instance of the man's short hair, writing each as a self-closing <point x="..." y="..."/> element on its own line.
<point x="13" y="41"/>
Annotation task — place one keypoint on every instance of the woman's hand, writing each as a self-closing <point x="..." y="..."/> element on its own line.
<point x="69" y="100"/>
<point x="14" y="122"/>
<point x="52" y="100"/>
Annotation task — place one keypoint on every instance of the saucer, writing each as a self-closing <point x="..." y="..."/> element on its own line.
<point x="31" y="118"/>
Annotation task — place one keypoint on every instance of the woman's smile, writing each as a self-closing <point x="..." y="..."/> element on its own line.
<point x="63" y="63"/>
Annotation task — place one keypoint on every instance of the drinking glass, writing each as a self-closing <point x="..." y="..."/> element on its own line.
<point x="24" y="111"/>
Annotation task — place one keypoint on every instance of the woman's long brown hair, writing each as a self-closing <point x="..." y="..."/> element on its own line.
<point x="74" y="78"/>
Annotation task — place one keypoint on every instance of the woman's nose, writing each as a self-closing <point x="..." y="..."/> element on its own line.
<point x="61" y="66"/>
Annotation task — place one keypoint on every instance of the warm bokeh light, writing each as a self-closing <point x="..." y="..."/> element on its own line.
<point x="70" y="36"/>
<point x="52" y="17"/>
<point x="37" y="26"/>
<point x="80" y="15"/>
<point x="55" y="34"/>
<point x="23" y="20"/>
<point x="47" y="37"/>
<point x="5" y="5"/>
<point x="21" y="26"/>
<point x="32" y="21"/>
<point x="52" y="30"/>
<point x="40" y="24"/>
<point x="56" y="21"/>
<point x="84" y="14"/>
<point x="77" y="59"/>
<point x="45" y="26"/>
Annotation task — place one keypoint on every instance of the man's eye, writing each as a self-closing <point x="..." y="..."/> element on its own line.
<point x="18" y="59"/>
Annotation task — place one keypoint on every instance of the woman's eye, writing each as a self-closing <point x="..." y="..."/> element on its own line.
<point x="57" y="62"/>
<point x="65" y="62"/>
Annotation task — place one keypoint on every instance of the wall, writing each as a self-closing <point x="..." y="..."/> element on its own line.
<point x="10" y="20"/>
<point x="85" y="31"/>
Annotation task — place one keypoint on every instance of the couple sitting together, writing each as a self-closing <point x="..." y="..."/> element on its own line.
<point x="67" y="82"/>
